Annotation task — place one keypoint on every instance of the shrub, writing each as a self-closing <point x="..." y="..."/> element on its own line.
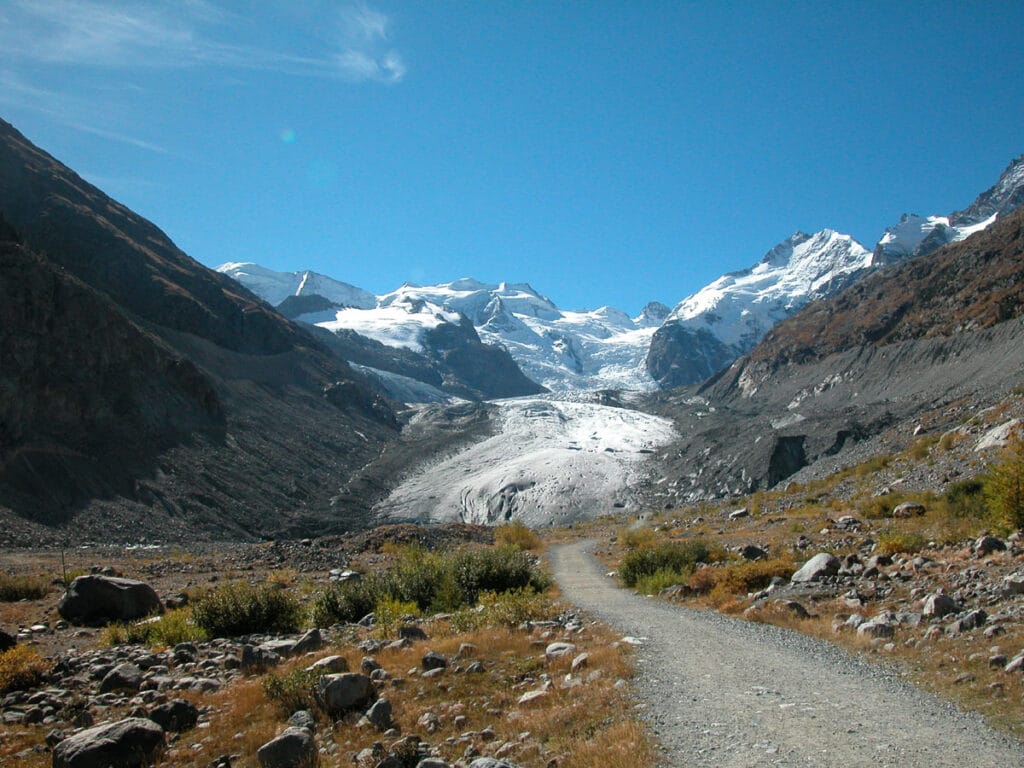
<point x="891" y="542"/>
<point x="389" y="613"/>
<point x="21" y="667"/>
<point x="659" y="580"/>
<point x="635" y="538"/>
<point x="432" y="581"/>
<point x="14" y="588"/>
<point x="169" y="629"/>
<point x="1004" y="485"/>
<point x="499" y="569"/>
<point x="242" y="609"/>
<point x="741" y="577"/>
<point x="517" y="534"/>
<point x="966" y="498"/>
<point x="506" y="609"/>
<point x="293" y="690"/>
<point x="346" y="602"/>
<point x="678" y="557"/>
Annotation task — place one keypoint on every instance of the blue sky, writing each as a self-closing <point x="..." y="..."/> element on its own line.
<point x="605" y="152"/>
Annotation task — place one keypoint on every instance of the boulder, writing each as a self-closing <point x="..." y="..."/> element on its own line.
<point x="380" y="714"/>
<point x="130" y="743"/>
<point x="345" y="692"/>
<point x="434" y="660"/>
<point x="329" y="664"/>
<point x="294" y="748"/>
<point x="103" y="599"/>
<point x="491" y="762"/>
<point x="986" y="545"/>
<point x="6" y="641"/>
<point x="175" y="716"/>
<point x="752" y="552"/>
<point x="126" y="678"/>
<point x="311" y="641"/>
<point x="557" y="650"/>
<point x="817" y="568"/>
<point x="971" y="620"/>
<point x="939" y="605"/>
<point x="877" y="626"/>
<point x="908" y="509"/>
<point x="1013" y="584"/>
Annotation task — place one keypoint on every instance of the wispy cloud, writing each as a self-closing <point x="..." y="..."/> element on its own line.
<point x="64" y="108"/>
<point x="118" y="35"/>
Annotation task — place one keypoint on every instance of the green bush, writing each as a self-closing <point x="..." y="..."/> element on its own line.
<point x="506" y="609"/>
<point x="169" y="629"/>
<point x="966" y="498"/>
<point x="891" y="542"/>
<point x="242" y="609"/>
<point x="14" y="588"/>
<point x="1004" y="485"/>
<point x="673" y="557"/>
<point x="293" y="690"/>
<point x="432" y="581"/>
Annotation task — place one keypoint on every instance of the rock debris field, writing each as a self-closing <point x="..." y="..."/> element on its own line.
<point x="724" y="692"/>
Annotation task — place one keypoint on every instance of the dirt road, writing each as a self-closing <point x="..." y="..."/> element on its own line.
<point x="723" y="692"/>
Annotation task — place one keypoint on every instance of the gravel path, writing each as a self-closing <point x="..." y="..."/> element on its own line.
<point x="724" y="692"/>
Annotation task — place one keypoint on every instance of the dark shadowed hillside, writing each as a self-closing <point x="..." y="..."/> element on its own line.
<point x="143" y="395"/>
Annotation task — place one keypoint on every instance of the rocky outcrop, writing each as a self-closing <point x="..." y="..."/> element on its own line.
<point x="98" y="599"/>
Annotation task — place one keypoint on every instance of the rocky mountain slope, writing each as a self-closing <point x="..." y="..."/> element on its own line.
<point x="917" y="235"/>
<point x="917" y="348"/>
<point x="144" y="395"/>
<point x="727" y="318"/>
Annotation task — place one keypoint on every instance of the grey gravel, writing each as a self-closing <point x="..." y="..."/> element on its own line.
<point x="722" y="692"/>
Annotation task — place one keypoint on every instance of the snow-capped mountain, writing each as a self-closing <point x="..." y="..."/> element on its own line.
<point x="561" y="350"/>
<point x="917" y="235"/>
<point x="727" y="318"/>
<point x="274" y="287"/>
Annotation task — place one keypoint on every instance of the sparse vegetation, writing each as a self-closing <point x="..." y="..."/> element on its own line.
<point x="669" y="558"/>
<point x="1004" y="485"/>
<point x="21" y="667"/>
<point x="14" y="588"/>
<point x="238" y="608"/>
<point x="740" y="578"/>
<point x="432" y="581"/>
<point x="892" y="542"/>
<point x="166" y="630"/>
<point x="517" y="534"/>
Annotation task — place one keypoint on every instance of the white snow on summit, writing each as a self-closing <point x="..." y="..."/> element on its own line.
<point x="274" y="287"/>
<point x="740" y="307"/>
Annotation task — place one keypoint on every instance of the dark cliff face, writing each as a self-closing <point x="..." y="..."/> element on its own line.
<point x="85" y="393"/>
<point x="680" y="356"/>
<point x="126" y="257"/>
<point x="143" y="395"/>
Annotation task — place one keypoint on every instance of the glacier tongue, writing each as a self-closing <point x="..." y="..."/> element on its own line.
<point x="550" y="462"/>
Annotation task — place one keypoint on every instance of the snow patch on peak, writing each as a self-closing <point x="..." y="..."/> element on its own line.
<point x="274" y="287"/>
<point x="740" y="307"/>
